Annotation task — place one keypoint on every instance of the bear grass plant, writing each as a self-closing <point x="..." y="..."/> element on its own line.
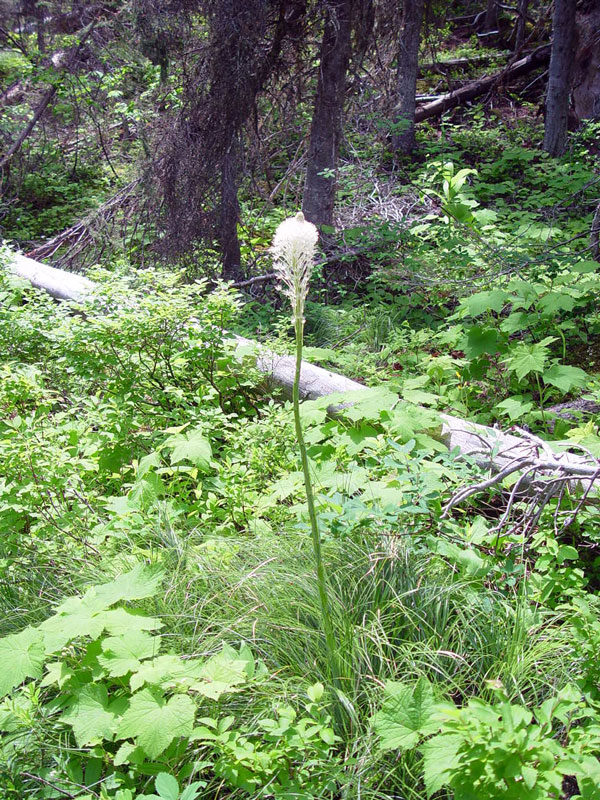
<point x="293" y="250"/>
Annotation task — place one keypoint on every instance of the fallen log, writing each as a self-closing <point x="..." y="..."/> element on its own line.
<point x="490" y="448"/>
<point x="455" y="63"/>
<point x="477" y="88"/>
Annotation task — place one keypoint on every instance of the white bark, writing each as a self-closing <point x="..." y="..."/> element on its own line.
<point x="490" y="448"/>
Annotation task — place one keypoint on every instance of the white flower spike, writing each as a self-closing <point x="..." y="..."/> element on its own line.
<point x="293" y="250"/>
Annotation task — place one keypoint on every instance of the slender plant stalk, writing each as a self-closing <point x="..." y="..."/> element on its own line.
<point x="293" y="252"/>
<point x="314" y="523"/>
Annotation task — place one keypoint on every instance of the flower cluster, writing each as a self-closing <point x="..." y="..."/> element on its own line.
<point x="293" y="250"/>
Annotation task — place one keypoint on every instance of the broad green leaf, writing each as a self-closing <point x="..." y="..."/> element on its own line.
<point x="440" y="761"/>
<point x="86" y="616"/>
<point x="556" y="301"/>
<point x="90" y="716"/>
<point x="527" y="358"/>
<point x="140" y="582"/>
<point x="480" y="302"/>
<point x="123" y="654"/>
<point x="516" y="407"/>
<point x="565" y="377"/>
<point x="123" y="620"/>
<point x="166" y="671"/>
<point x="190" y="446"/>
<point x="57" y="672"/>
<point x="225" y="671"/>
<point x="21" y="656"/>
<point x="481" y="340"/>
<point x="315" y="692"/>
<point x="406" y="714"/>
<point x="153" y="722"/>
<point x="517" y="321"/>
<point x="166" y="786"/>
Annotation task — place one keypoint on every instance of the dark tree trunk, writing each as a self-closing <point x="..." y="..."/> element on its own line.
<point x="326" y="127"/>
<point x="229" y="211"/>
<point x="586" y="72"/>
<point x="403" y="138"/>
<point x="521" y="21"/>
<point x="559" y="77"/>
<point x="595" y="235"/>
<point x="491" y="16"/>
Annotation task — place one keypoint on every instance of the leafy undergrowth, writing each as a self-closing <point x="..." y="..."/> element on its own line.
<point x="161" y="625"/>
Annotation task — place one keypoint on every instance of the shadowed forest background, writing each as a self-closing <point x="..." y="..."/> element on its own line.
<point x="163" y="627"/>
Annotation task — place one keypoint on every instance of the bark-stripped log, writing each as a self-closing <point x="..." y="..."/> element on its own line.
<point x="490" y="448"/>
<point x="483" y="85"/>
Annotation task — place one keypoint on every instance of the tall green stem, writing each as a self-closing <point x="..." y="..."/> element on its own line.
<point x="314" y="524"/>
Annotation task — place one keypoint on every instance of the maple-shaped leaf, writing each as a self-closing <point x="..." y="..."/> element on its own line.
<point x="166" y="671"/>
<point x="526" y="358"/>
<point x="406" y="714"/>
<point x="153" y="722"/>
<point x="21" y="656"/>
<point x="77" y="616"/>
<point x="140" y="582"/>
<point x="123" y="620"/>
<point x="91" y="716"/>
<point x="123" y="654"/>
<point x="190" y="446"/>
<point x="225" y="671"/>
<point x="565" y="377"/>
<point x="440" y="760"/>
<point x="88" y="615"/>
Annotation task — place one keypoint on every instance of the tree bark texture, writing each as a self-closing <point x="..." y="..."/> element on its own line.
<point x="491" y="16"/>
<point x="522" y="6"/>
<point x="326" y="127"/>
<point x="559" y="77"/>
<point x="595" y="235"/>
<point x="586" y="77"/>
<point x="403" y="138"/>
<point x="490" y="448"/>
<point x="229" y="215"/>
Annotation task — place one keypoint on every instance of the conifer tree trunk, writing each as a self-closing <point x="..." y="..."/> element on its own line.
<point x="491" y="16"/>
<point x="229" y="212"/>
<point x="403" y="138"/>
<point x="522" y="6"/>
<point x="326" y="127"/>
<point x="559" y="77"/>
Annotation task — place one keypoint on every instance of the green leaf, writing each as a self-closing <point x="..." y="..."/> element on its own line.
<point x="21" y="656"/>
<point x="166" y="786"/>
<point x="123" y="620"/>
<point x="122" y="654"/>
<point x="153" y="722"/>
<point x="167" y="671"/>
<point x="481" y="340"/>
<point x="406" y="714"/>
<point x="515" y="407"/>
<point x="440" y="761"/>
<point x="190" y="446"/>
<point x="565" y="377"/>
<point x="86" y="616"/>
<point x="556" y="301"/>
<point x="480" y="302"/>
<point x="315" y="692"/>
<point x="224" y="671"/>
<point x="90" y="716"/>
<point x="527" y="358"/>
<point x="517" y="321"/>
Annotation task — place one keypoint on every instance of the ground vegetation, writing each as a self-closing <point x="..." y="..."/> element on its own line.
<point x="207" y="590"/>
